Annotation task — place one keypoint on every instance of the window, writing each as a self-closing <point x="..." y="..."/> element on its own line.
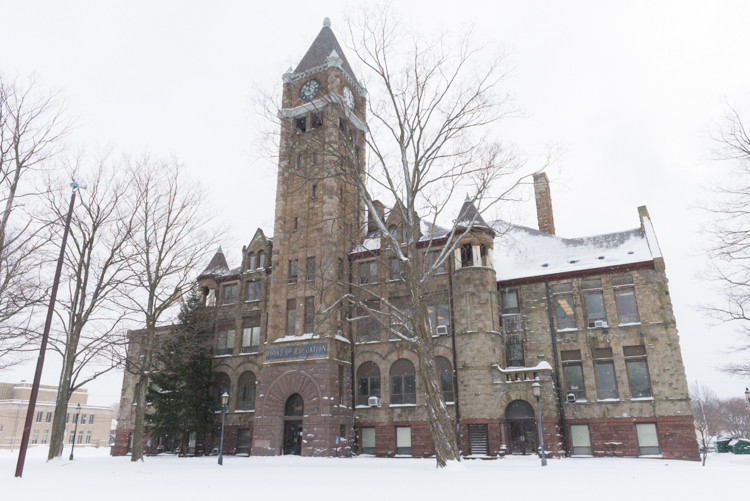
<point x="45" y="436"/>
<point x="251" y="335"/>
<point x="309" y="314"/>
<point x="48" y="418"/>
<point x="393" y="230"/>
<point x="581" y="440"/>
<point x="39" y="416"/>
<point x="648" y="440"/>
<point x="368" y="382"/>
<point x="291" y="316"/>
<point x="67" y="418"/>
<point x="484" y="255"/>
<point x="88" y="437"/>
<point x="396" y="272"/>
<point x="403" y="440"/>
<point x="226" y="342"/>
<point x="400" y="320"/>
<point x="261" y="260"/>
<point x="606" y="382"/>
<point x="596" y="316"/>
<point x="80" y="437"/>
<point x="221" y="386"/>
<point x="509" y="302"/>
<point x="230" y="294"/>
<point x="368" y="326"/>
<point x="315" y="158"/>
<point x="368" y="272"/>
<point x="83" y="418"/>
<point x="310" y="269"/>
<point x="467" y="256"/>
<point x="403" y="383"/>
<point x="91" y="419"/>
<point x="573" y="373"/>
<point x="137" y="390"/>
<point x="251" y="261"/>
<point x="627" y="309"/>
<point x="314" y="190"/>
<point x="72" y="437"/>
<point x="296" y="223"/>
<point x="292" y="271"/>
<point x="316" y="120"/>
<point x="635" y="361"/>
<point x="368" y="440"/>
<point x="35" y="437"/>
<point x="562" y="296"/>
<point x="439" y="317"/>
<point x="243" y="446"/>
<point x="430" y="259"/>
<point x="341" y="386"/>
<point x="301" y="123"/>
<point x="246" y="392"/>
<point x="254" y="289"/>
<point x="445" y="372"/>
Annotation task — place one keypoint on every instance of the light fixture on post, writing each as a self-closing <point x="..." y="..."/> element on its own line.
<point x="75" y="430"/>
<point x="45" y="336"/>
<point x="747" y="395"/>
<point x="536" y="390"/>
<point x="224" y="402"/>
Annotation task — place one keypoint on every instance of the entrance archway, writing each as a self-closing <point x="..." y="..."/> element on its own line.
<point x="519" y="415"/>
<point x="294" y="409"/>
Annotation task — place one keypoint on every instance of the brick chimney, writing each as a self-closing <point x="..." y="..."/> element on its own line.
<point x="380" y="209"/>
<point x="543" y="203"/>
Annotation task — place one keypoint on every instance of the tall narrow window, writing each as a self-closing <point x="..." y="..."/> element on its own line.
<point x="596" y="315"/>
<point x="296" y="223"/>
<point x="627" y="308"/>
<point x="91" y="418"/>
<point x="430" y="260"/>
<point x="635" y="361"/>
<point x="445" y="370"/>
<point x="254" y="290"/>
<point x="310" y="269"/>
<point x="368" y="382"/>
<point x="439" y="318"/>
<point x="510" y="302"/>
<point x="88" y="437"/>
<point x="396" y="269"/>
<point x="229" y="293"/>
<point x="562" y="296"/>
<point x="341" y="384"/>
<point x="573" y="373"/>
<point x="293" y="269"/>
<point x="83" y="418"/>
<point x="80" y="437"/>
<point x="226" y="342"/>
<point x="35" y="437"/>
<point x="393" y="230"/>
<point x="261" y="259"/>
<point x="251" y="261"/>
<point x="606" y="382"/>
<point x="368" y="326"/>
<point x="309" y="314"/>
<point x="403" y="383"/>
<point x="315" y="158"/>
<point x="368" y="273"/>
<point x="467" y="256"/>
<point x="403" y="440"/>
<point x="39" y="416"/>
<point x="581" y="441"/>
<point x="246" y="392"/>
<point x="368" y="440"/>
<point x="48" y="418"/>
<point x="251" y="335"/>
<point x="299" y="161"/>
<point x="314" y="190"/>
<point x="45" y="436"/>
<point x="291" y="316"/>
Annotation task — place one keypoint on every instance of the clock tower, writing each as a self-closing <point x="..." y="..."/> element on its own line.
<point x="306" y="379"/>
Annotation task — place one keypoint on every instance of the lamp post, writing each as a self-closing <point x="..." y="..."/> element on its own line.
<point x="45" y="336"/>
<point x="75" y="430"/>
<point x="747" y="395"/>
<point x="536" y="389"/>
<point x="224" y="402"/>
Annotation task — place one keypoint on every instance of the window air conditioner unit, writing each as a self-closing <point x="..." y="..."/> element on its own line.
<point x="600" y="323"/>
<point x="571" y="397"/>
<point x="373" y="401"/>
<point x="442" y="330"/>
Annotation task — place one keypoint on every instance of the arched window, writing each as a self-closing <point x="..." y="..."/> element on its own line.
<point x="403" y="383"/>
<point x="246" y="392"/>
<point x="295" y="406"/>
<point x="445" y="371"/>
<point x="251" y="261"/>
<point x="519" y="409"/>
<point x="368" y="382"/>
<point x="393" y="230"/>
<point x="221" y="385"/>
<point x="261" y="259"/>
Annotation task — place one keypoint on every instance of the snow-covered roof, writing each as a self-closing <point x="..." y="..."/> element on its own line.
<point x="218" y="265"/>
<point x="428" y="231"/>
<point x="524" y="252"/>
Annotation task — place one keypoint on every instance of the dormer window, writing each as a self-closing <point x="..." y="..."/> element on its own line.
<point x="261" y="259"/>
<point x="251" y="261"/>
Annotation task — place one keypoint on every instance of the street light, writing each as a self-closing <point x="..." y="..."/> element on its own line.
<point x="75" y="430"/>
<point x="45" y="336"/>
<point x="224" y="402"/>
<point x="747" y="395"/>
<point x="536" y="389"/>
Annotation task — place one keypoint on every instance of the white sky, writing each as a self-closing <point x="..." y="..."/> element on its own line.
<point x="629" y="88"/>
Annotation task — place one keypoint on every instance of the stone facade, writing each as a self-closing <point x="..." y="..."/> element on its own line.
<point x="590" y="319"/>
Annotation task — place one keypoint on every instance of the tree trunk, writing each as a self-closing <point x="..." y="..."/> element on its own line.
<point x="57" y="438"/>
<point x="137" y="451"/>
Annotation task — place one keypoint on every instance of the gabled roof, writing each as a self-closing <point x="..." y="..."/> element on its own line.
<point x="321" y="48"/>
<point x="217" y="266"/>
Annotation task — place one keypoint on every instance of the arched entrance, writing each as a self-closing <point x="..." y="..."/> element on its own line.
<point x="519" y="415"/>
<point x="293" y="412"/>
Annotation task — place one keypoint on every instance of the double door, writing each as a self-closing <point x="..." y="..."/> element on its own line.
<point x="293" y="438"/>
<point x="522" y="433"/>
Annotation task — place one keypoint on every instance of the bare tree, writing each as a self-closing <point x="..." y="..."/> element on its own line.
<point x="735" y="417"/>
<point x="433" y="99"/>
<point x="32" y="126"/>
<point x="97" y="272"/>
<point x="172" y="236"/>
<point x="705" y="406"/>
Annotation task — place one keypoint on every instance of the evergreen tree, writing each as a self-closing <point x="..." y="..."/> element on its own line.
<point x="180" y="392"/>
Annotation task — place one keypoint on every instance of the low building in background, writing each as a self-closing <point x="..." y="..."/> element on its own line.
<point x="94" y="423"/>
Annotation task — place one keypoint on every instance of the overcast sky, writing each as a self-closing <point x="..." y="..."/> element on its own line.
<point x="630" y="88"/>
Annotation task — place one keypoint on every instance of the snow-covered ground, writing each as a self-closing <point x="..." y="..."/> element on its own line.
<point x="94" y="475"/>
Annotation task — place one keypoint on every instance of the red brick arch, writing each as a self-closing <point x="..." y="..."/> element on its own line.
<point x="287" y="384"/>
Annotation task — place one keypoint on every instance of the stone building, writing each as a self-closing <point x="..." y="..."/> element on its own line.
<point x="589" y="318"/>
<point x="94" y="422"/>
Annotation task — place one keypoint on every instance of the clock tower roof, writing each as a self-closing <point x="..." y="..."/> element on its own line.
<point x="321" y="48"/>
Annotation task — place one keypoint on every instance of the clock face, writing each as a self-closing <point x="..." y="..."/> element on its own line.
<point x="349" y="97"/>
<point x="309" y="90"/>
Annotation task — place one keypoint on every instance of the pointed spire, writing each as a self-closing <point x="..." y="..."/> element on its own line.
<point x="217" y="265"/>
<point x="469" y="213"/>
<point x="321" y="49"/>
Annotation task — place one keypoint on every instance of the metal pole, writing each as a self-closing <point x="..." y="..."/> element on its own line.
<point x="221" y="444"/>
<point x="75" y="433"/>
<point x="43" y="347"/>
<point x="541" y="436"/>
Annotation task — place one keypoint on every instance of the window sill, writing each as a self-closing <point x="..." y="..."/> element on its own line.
<point x="252" y="301"/>
<point x="609" y="400"/>
<point x="249" y="353"/>
<point x="224" y="355"/>
<point x="628" y="324"/>
<point x="402" y="405"/>
<point x="242" y="411"/>
<point x="365" y="406"/>
<point x="642" y="399"/>
<point x="573" y="329"/>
